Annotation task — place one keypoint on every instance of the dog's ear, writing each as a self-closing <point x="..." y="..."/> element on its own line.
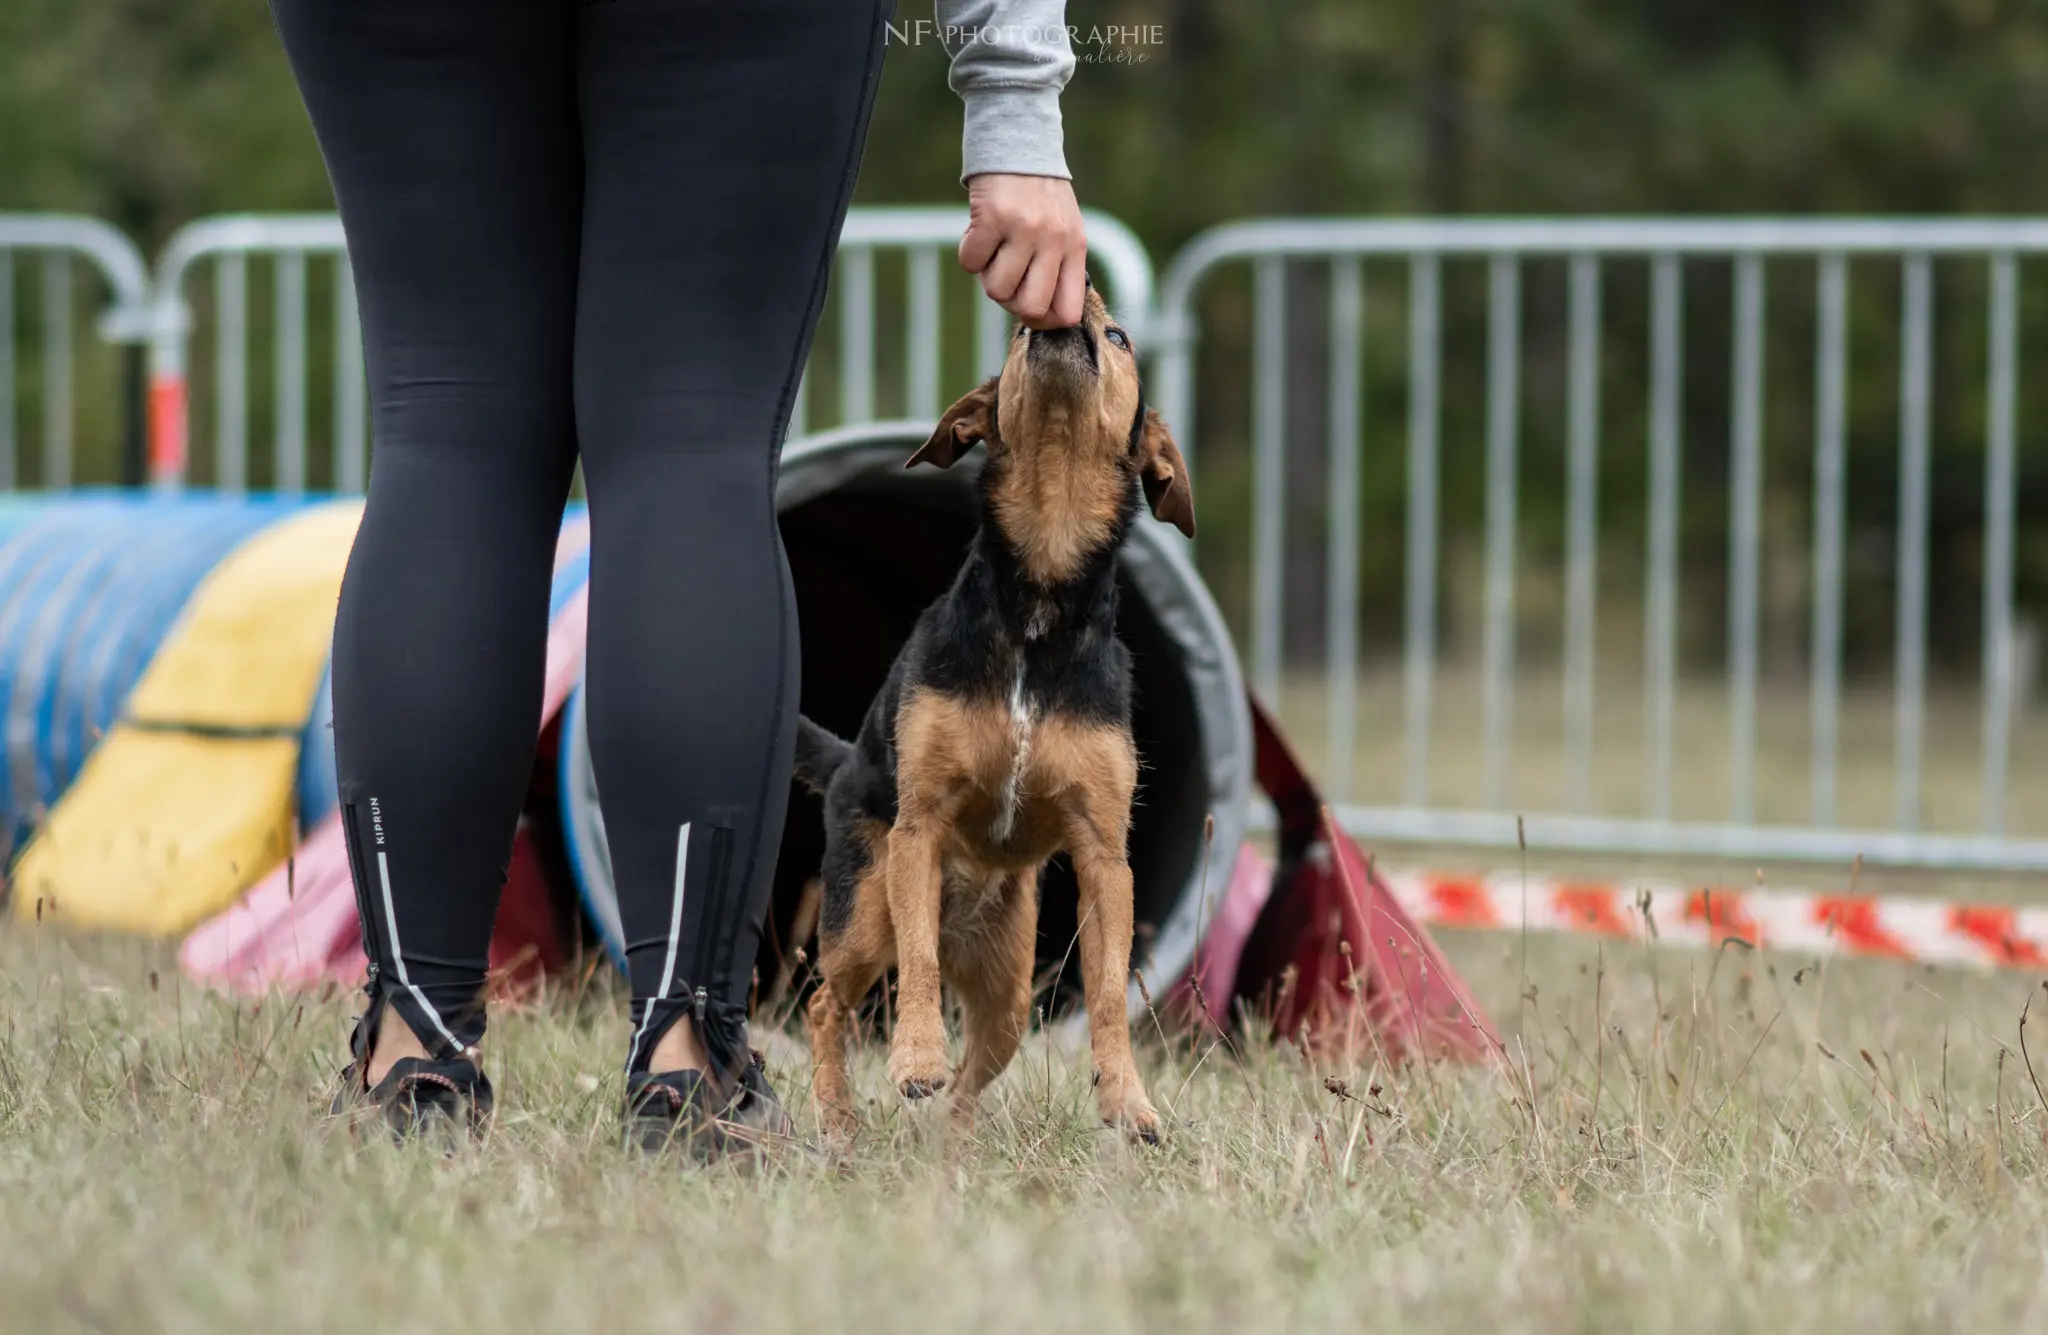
<point x="1165" y="475"/>
<point x="971" y="420"/>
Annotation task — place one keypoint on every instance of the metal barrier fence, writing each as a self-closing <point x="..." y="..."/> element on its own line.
<point x="850" y="376"/>
<point x="289" y="243"/>
<point x="61" y="241"/>
<point x="1586" y="248"/>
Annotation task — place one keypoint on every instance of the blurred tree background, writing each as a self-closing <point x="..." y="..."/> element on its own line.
<point x="152" y="112"/>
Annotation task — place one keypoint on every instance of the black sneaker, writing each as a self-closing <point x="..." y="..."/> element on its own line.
<point x="682" y="1109"/>
<point x="674" y="1109"/>
<point x="420" y="1098"/>
<point x="755" y="1119"/>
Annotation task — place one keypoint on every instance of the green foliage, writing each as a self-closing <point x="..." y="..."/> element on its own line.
<point x="150" y="112"/>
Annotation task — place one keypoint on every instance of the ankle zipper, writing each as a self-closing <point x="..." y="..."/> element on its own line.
<point x="358" y="878"/>
<point x="718" y="892"/>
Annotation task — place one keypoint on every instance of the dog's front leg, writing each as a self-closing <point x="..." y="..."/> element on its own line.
<point x="917" y="1049"/>
<point x="1104" y="875"/>
<point x="1103" y="770"/>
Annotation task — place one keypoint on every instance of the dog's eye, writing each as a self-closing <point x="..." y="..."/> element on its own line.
<point x="1116" y="336"/>
<point x="1021" y="331"/>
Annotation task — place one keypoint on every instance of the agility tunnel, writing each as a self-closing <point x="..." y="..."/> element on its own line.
<point x="870" y="546"/>
<point x="90" y="586"/>
<point x="299" y="927"/>
<point x="157" y="664"/>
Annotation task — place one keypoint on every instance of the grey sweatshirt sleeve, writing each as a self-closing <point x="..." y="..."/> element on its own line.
<point x="1010" y="58"/>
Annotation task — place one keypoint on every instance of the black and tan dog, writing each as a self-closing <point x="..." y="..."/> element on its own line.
<point x="1001" y="737"/>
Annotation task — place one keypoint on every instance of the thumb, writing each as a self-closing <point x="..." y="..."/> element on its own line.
<point x="979" y="245"/>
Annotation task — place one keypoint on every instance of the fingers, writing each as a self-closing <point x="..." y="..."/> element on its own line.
<point x="1005" y="274"/>
<point x="979" y="245"/>
<point x="1053" y="290"/>
<point x="1032" y="302"/>
<point x="1072" y="291"/>
<point x="1026" y="240"/>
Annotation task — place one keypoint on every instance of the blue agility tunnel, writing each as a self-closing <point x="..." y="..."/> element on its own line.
<point x="90" y="585"/>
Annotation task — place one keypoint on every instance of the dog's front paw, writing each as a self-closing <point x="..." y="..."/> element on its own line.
<point x="1124" y="1106"/>
<point x="919" y="1070"/>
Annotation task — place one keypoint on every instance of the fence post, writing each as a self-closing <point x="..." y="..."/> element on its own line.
<point x="134" y="432"/>
<point x="168" y="399"/>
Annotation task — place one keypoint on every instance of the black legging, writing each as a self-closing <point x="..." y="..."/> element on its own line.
<point x="604" y="224"/>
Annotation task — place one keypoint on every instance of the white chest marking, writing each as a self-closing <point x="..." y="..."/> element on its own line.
<point x="1020" y="758"/>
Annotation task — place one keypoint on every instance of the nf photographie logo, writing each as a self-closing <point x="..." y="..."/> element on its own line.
<point x="1100" y="44"/>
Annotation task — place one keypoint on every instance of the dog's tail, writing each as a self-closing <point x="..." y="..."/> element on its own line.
<point x="819" y="755"/>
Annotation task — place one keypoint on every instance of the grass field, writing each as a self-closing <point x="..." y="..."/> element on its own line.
<point x="1679" y="1143"/>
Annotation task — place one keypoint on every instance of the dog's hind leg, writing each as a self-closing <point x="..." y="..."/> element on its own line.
<point x="991" y="975"/>
<point x="831" y="1087"/>
<point x="850" y="961"/>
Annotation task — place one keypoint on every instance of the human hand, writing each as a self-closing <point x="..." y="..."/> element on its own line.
<point x="1024" y="237"/>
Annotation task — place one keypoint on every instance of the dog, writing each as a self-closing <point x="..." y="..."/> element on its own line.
<point x="1001" y="737"/>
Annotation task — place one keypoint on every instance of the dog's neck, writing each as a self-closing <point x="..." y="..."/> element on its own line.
<point x="1034" y="603"/>
<point x="1060" y="503"/>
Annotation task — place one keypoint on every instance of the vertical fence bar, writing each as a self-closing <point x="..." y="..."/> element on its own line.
<point x="1503" y="384"/>
<point x="1831" y="372"/>
<point x="290" y="372"/>
<point x="351" y="394"/>
<point x="1667" y="295"/>
<point x="2001" y="428"/>
<point x="9" y="476"/>
<point x="56" y="371"/>
<point x="1745" y="534"/>
<point x="1915" y="393"/>
<point x="1582" y="509"/>
<point x="856" y="335"/>
<point x="992" y="338"/>
<point x="1269" y="475"/>
<point x="921" y="376"/>
<point x="1347" y="337"/>
<point x="1425" y="386"/>
<point x="231" y="373"/>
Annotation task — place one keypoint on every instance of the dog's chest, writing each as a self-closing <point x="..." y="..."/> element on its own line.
<point x="1021" y="717"/>
<point x="1021" y="720"/>
<point x="1010" y="778"/>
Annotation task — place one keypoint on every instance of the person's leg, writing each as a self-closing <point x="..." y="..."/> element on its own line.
<point x="449" y="130"/>
<point x="720" y="148"/>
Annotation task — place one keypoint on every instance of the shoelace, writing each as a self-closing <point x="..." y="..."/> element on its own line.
<point x="408" y="1085"/>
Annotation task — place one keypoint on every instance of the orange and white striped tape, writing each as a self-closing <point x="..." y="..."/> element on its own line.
<point x="1934" y="931"/>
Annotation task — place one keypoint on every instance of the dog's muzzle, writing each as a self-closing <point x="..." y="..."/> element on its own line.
<point x="1074" y="345"/>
